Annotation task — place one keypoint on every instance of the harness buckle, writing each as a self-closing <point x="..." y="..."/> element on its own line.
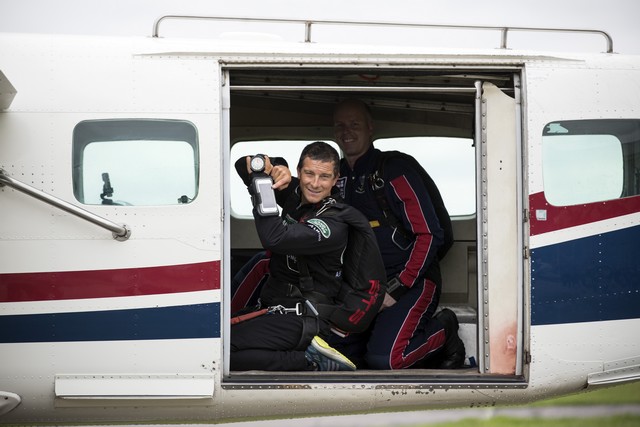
<point x="281" y="309"/>
<point x="376" y="181"/>
<point x="311" y="307"/>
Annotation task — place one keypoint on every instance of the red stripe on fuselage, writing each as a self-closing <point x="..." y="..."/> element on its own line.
<point x="126" y="282"/>
<point x="560" y="217"/>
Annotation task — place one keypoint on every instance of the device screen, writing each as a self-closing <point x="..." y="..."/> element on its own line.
<point x="267" y="195"/>
<point x="267" y="201"/>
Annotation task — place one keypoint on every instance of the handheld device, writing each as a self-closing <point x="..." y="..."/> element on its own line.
<point x="263" y="197"/>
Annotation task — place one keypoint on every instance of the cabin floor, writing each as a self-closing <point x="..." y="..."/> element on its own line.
<point x="467" y="316"/>
<point x="418" y="377"/>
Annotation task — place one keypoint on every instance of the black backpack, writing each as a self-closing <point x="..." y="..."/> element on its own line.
<point x="364" y="281"/>
<point x="377" y="183"/>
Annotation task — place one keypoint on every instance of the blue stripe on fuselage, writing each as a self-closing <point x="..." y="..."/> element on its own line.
<point x="589" y="279"/>
<point x="157" y="323"/>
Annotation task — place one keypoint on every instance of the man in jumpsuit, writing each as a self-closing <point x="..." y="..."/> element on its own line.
<point x="292" y="342"/>
<point x="405" y="333"/>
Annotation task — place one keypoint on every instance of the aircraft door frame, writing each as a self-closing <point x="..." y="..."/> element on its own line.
<point x="500" y="229"/>
<point x="499" y="215"/>
<point x="225" y="147"/>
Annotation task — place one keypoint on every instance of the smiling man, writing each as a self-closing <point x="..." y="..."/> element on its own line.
<point x="317" y="178"/>
<point x="307" y="245"/>
<point x="410" y="222"/>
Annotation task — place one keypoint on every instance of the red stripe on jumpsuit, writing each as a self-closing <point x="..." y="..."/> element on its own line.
<point x="397" y="358"/>
<point x="416" y="262"/>
<point x="419" y="226"/>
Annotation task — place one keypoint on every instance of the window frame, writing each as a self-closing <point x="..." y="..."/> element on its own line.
<point x="87" y="132"/>
<point x="627" y="133"/>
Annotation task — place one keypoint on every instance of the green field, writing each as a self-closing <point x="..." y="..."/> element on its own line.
<point x="626" y="421"/>
<point x="628" y="394"/>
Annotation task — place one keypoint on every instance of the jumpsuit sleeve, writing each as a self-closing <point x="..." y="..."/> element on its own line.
<point x="411" y="202"/>
<point x="316" y="235"/>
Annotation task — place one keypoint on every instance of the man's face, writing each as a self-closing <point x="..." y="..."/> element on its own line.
<point x="316" y="180"/>
<point x="352" y="130"/>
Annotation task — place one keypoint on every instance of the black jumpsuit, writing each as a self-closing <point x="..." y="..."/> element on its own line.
<point x="276" y="341"/>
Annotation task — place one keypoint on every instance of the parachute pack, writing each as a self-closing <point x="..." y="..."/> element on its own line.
<point x="364" y="277"/>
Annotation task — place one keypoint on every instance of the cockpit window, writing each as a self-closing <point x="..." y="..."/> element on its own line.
<point x="135" y="162"/>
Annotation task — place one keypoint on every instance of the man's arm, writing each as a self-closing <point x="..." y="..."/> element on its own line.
<point x="315" y="236"/>
<point x="411" y="202"/>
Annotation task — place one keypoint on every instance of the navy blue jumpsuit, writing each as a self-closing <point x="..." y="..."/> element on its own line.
<point x="405" y="333"/>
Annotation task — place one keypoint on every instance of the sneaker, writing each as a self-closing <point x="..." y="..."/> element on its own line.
<point x="327" y="358"/>
<point x="453" y="352"/>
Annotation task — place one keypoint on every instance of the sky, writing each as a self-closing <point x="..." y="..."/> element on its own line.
<point x="136" y="17"/>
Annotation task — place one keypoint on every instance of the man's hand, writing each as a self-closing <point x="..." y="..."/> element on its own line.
<point x="280" y="174"/>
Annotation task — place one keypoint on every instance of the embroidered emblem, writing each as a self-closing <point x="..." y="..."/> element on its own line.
<point x="360" y="187"/>
<point x="320" y="226"/>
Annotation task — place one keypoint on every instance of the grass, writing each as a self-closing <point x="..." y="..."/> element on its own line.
<point x="628" y="394"/>
<point x="621" y="421"/>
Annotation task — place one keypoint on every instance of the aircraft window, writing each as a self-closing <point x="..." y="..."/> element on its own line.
<point x="135" y="162"/>
<point x="241" y="206"/>
<point x="586" y="161"/>
<point x="449" y="161"/>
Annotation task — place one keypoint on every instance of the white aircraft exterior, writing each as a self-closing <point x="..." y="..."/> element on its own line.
<point x="119" y="238"/>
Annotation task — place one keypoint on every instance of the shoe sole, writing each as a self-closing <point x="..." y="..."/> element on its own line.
<point x="325" y="349"/>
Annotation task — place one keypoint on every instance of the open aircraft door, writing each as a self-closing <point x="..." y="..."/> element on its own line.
<point x="499" y="231"/>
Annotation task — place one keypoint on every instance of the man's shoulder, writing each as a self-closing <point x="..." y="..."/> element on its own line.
<point x="394" y="157"/>
<point x="345" y="213"/>
<point x="392" y="164"/>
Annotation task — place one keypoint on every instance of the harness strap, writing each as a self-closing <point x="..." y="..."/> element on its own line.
<point x="377" y="183"/>
<point x="306" y="281"/>
<point x="248" y="316"/>
<point x="390" y="219"/>
<point x="310" y="328"/>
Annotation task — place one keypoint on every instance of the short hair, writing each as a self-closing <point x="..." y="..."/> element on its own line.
<point x="323" y="152"/>
<point x="356" y="103"/>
